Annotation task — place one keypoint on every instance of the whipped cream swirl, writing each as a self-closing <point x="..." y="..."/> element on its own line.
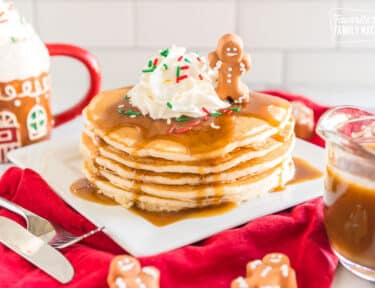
<point x="13" y="27"/>
<point x="174" y="84"/>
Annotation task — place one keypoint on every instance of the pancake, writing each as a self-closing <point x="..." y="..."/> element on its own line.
<point x="152" y="200"/>
<point x="226" y="161"/>
<point x="252" y="166"/>
<point x="137" y="161"/>
<point x="257" y="121"/>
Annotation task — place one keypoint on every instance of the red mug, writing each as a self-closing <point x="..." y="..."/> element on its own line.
<point x="25" y="110"/>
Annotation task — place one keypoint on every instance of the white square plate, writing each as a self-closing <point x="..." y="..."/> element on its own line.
<point x="59" y="162"/>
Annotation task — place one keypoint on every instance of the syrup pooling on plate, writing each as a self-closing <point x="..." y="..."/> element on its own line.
<point x="304" y="171"/>
<point x="82" y="188"/>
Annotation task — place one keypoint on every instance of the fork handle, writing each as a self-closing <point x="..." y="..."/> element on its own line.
<point x="13" y="207"/>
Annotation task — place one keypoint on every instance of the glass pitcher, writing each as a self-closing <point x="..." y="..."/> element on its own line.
<point x="349" y="198"/>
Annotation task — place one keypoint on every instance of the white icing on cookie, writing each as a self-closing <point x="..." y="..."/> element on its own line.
<point x="150" y="271"/>
<point x="255" y="264"/>
<point x="284" y="270"/>
<point x="241" y="282"/>
<point x="265" y="271"/>
<point x="120" y="283"/>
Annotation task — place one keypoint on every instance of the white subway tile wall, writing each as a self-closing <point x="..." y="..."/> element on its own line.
<point x="290" y="42"/>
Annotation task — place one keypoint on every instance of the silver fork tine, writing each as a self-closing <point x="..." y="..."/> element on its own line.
<point x="49" y="232"/>
<point x="68" y="241"/>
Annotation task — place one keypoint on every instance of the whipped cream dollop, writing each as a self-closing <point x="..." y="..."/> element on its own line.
<point x="174" y="84"/>
<point x="13" y="26"/>
<point x="22" y="53"/>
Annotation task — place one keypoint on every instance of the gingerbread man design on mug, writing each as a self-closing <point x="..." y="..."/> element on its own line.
<point x="231" y="62"/>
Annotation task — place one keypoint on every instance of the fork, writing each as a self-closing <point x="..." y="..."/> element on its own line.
<point x="50" y="232"/>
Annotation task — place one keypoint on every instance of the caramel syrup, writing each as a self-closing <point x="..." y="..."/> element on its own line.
<point x="103" y="114"/>
<point x="82" y="188"/>
<point x="304" y="171"/>
<point x="166" y="218"/>
<point x="350" y="219"/>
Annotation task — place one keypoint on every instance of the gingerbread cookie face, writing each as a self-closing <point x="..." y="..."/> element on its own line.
<point x="230" y="48"/>
<point x="126" y="271"/>
<point x="272" y="271"/>
<point x="231" y="63"/>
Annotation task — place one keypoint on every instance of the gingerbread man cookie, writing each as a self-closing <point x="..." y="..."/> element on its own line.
<point x="126" y="272"/>
<point x="272" y="271"/>
<point x="304" y="120"/>
<point x="231" y="62"/>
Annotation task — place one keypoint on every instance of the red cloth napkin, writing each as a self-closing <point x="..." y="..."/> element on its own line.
<point x="214" y="262"/>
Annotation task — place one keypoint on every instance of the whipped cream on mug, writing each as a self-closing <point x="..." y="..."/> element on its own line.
<point x="22" y="53"/>
<point x="13" y="26"/>
<point x="174" y="84"/>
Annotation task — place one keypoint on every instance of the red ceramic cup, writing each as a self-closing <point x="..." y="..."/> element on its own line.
<point x="87" y="59"/>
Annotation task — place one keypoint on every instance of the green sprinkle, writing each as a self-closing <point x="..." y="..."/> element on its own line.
<point x="149" y="63"/>
<point x="165" y="52"/>
<point x="178" y="71"/>
<point x="187" y="60"/>
<point x="169" y="105"/>
<point x="13" y="39"/>
<point x="165" y="66"/>
<point x="181" y="119"/>
<point x="126" y="97"/>
<point x="215" y="114"/>
<point x="120" y="111"/>
<point x="152" y="69"/>
<point x="131" y="112"/>
<point x="237" y="109"/>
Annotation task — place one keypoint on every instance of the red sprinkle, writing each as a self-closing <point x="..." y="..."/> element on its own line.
<point x="205" y="118"/>
<point x="178" y="79"/>
<point x="187" y="128"/>
<point x="185" y="67"/>
<point x="199" y="59"/>
<point x="155" y="62"/>
<point x="183" y="130"/>
<point x="204" y="109"/>
<point x="170" y="131"/>
<point x="200" y="76"/>
<point x="195" y="123"/>
<point x="229" y="112"/>
<point x="180" y="58"/>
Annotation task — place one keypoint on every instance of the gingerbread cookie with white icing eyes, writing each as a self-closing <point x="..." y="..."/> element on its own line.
<point x="272" y="271"/>
<point x="231" y="62"/>
<point x="126" y="272"/>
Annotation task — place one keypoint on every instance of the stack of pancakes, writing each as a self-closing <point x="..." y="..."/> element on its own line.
<point x="232" y="157"/>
